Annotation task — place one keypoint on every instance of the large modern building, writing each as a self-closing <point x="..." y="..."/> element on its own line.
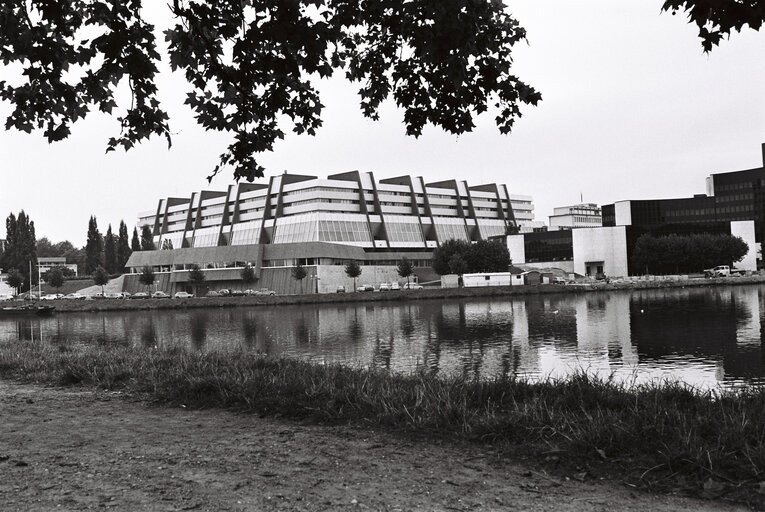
<point x="523" y="209"/>
<point x="321" y="223"/>
<point x="734" y="204"/>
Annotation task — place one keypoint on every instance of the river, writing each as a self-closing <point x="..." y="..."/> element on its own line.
<point x="707" y="337"/>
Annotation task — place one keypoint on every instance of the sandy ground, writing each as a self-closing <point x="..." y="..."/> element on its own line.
<point x="80" y="450"/>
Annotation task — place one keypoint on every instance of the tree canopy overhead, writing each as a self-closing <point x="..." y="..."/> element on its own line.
<point x="251" y="64"/>
<point x="717" y="18"/>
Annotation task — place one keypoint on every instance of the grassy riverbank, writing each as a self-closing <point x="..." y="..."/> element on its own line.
<point x="666" y="437"/>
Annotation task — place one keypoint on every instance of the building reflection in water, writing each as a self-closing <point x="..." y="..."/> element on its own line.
<point x="699" y="335"/>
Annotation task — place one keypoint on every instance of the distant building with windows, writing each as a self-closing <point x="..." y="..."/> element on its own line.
<point x="45" y="264"/>
<point x="584" y="215"/>
<point x="322" y="223"/>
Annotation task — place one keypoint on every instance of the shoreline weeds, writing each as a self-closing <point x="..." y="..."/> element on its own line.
<point x="133" y="456"/>
<point x="70" y="306"/>
<point x="664" y="438"/>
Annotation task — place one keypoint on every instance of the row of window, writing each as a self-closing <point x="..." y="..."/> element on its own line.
<point x="738" y="186"/>
<point x="735" y="197"/>
<point x="400" y="228"/>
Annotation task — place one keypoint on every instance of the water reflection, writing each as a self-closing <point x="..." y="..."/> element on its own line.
<point x="702" y="336"/>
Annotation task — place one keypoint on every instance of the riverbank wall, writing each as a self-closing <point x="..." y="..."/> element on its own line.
<point x="65" y="306"/>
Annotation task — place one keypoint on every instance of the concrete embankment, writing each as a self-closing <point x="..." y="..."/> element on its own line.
<point x="63" y="305"/>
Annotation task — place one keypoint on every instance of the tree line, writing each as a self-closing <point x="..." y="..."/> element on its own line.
<point x="685" y="253"/>
<point x="109" y="252"/>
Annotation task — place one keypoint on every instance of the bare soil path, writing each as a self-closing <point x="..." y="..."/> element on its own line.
<point x="81" y="450"/>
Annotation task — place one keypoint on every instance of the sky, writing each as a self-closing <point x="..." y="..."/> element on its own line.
<point x="632" y="109"/>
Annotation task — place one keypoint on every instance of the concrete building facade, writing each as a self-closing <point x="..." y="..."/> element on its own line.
<point x="321" y="223"/>
<point x="584" y="215"/>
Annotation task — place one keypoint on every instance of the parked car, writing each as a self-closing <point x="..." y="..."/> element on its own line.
<point x="51" y="296"/>
<point x="237" y="293"/>
<point x="558" y="280"/>
<point x="183" y="295"/>
<point x="114" y="295"/>
<point x="5" y="296"/>
<point x="140" y="295"/>
<point x="384" y="287"/>
<point x="224" y="292"/>
<point x="99" y="295"/>
<point x="265" y="291"/>
<point x="394" y="286"/>
<point x="74" y="296"/>
<point x="340" y="289"/>
<point x="250" y="291"/>
<point x="365" y="288"/>
<point x="159" y="294"/>
<point x="212" y="293"/>
<point x="412" y="286"/>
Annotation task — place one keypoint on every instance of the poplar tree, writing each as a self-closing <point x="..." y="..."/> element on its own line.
<point x="20" y="250"/>
<point x="123" y="247"/>
<point x="110" y="251"/>
<point x="135" y="244"/>
<point x="94" y="247"/>
<point x="147" y="239"/>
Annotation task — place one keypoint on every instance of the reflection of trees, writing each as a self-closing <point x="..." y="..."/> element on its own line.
<point x="407" y="323"/>
<point x="381" y="355"/>
<point x="432" y="351"/>
<point x="551" y="319"/>
<point x="199" y="329"/>
<point x="355" y="328"/>
<point x="101" y="337"/>
<point x="306" y="327"/>
<point x="511" y="361"/>
<point x="24" y="329"/>
<point x="698" y="324"/>
<point x="472" y="358"/>
<point x="149" y="334"/>
<point x="302" y="332"/>
<point x="249" y="331"/>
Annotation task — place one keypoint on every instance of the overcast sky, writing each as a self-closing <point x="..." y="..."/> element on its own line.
<point x="632" y="109"/>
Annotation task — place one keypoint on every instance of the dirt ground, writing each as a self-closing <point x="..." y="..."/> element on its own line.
<point x="81" y="450"/>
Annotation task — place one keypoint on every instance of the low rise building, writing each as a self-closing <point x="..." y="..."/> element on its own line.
<point x="584" y="215"/>
<point x="46" y="263"/>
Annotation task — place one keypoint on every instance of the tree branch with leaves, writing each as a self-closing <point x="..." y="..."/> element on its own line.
<point x="252" y="65"/>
